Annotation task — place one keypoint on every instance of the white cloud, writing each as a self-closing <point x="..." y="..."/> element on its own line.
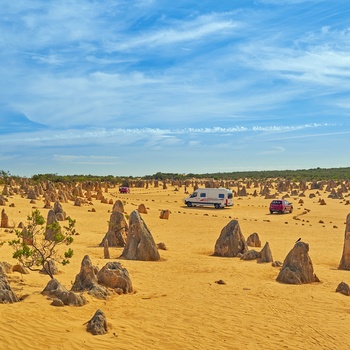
<point x="83" y="159"/>
<point x="156" y="135"/>
<point x="288" y="2"/>
<point x="188" y="31"/>
<point x="274" y="150"/>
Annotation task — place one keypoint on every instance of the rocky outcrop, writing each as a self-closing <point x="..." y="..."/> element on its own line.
<point x="265" y="254"/>
<point x="164" y="214"/>
<point x="118" y="206"/>
<point x="345" y="259"/>
<point x="50" y="268"/>
<point x="7" y="296"/>
<point x="117" y="230"/>
<point x="106" y="253"/>
<point x="343" y="288"/>
<point x="59" y="212"/>
<point x="231" y="241"/>
<point x="55" y="290"/>
<point x="51" y="219"/>
<point x="250" y="255"/>
<point x="86" y="280"/>
<point x="297" y="267"/>
<point x="253" y="240"/>
<point x="4" y="219"/>
<point x="142" y="209"/>
<point x="140" y="244"/>
<point x="31" y="194"/>
<point x="3" y="201"/>
<point x="98" y="324"/>
<point x="113" y="275"/>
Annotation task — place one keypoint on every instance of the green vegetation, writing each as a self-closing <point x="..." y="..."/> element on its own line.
<point x="296" y="175"/>
<point x="315" y="174"/>
<point x="74" y="178"/>
<point x="31" y="248"/>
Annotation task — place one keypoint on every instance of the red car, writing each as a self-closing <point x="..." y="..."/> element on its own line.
<point x="124" y="190"/>
<point x="281" y="206"/>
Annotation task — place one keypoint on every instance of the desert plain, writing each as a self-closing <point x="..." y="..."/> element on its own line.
<point x="177" y="302"/>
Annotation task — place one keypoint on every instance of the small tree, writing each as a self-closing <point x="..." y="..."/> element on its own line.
<point x="33" y="250"/>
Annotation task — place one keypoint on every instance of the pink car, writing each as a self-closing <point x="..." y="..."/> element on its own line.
<point x="281" y="206"/>
<point x="124" y="190"/>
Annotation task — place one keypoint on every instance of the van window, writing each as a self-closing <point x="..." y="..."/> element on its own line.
<point x="203" y="195"/>
<point x="194" y="194"/>
<point x="221" y="195"/>
<point x="230" y="195"/>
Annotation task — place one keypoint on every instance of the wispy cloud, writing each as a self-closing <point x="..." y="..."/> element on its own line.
<point x="144" y="76"/>
<point x="165" y="133"/>
<point x="84" y="159"/>
<point x="204" y="27"/>
<point x="274" y="150"/>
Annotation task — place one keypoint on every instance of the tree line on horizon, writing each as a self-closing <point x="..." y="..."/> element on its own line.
<point x="315" y="174"/>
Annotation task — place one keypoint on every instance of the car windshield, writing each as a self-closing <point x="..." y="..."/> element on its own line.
<point x="276" y="202"/>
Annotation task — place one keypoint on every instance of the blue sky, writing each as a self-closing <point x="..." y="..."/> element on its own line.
<point x="136" y="87"/>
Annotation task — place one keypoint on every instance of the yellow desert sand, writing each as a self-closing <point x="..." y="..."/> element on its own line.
<point x="177" y="303"/>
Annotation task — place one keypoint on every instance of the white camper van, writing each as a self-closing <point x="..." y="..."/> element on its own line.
<point x="218" y="197"/>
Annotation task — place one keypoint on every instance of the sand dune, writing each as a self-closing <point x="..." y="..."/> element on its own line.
<point x="177" y="304"/>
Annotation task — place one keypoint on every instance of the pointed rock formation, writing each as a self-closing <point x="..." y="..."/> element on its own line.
<point x="253" y="240"/>
<point x="4" y="219"/>
<point x="231" y="241"/>
<point x="140" y="244"/>
<point x="86" y="280"/>
<point x="7" y="296"/>
<point x="265" y="254"/>
<point x="106" y="254"/>
<point x="345" y="259"/>
<point x="59" y="212"/>
<point x="297" y="267"/>
<point x="98" y="324"/>
<point x="117" y="230"/>
<point x="142" y="209"/>
<point x="51" y="218"/>
<point x="343" y="288"/>
<point x="118" y="206"/>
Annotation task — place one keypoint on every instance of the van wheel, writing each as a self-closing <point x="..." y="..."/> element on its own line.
<point x="217" y="206"/>
<point x="189" y="204"/>
<point x="271" y="211"/>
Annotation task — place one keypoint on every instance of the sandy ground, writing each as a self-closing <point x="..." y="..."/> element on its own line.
<point x="176" y="303"/>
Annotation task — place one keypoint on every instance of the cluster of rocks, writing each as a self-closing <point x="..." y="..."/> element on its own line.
<point x="231" y="243"/>
<point x="112" y="278"/>
<point x="297" y="267"/>
<point x="134" y="237"/>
